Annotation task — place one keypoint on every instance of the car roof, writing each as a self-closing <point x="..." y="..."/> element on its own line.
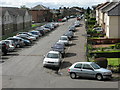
<point x="63" y="36"/>
<point x="56" y="52"/>
<point x="83" y="62"/>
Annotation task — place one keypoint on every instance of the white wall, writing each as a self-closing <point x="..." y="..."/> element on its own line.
<point x="97" y="16"/>
<point x="114" y="27"/>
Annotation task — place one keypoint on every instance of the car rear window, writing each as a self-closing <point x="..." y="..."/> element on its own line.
<point x="78" y="66"/>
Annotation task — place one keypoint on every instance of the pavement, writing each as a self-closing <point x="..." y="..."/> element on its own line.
<point x="76" y="50"/>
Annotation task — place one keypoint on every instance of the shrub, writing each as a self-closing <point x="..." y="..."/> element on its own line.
<point x="117" y="46"/>
<point x="93" y="19"/>
<point x="102" y="62"/>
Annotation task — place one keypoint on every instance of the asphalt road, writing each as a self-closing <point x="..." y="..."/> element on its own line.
<point x="23" y="68"/>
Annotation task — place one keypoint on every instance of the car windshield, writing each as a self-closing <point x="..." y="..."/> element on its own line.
<point x="58" y="46"/>
<point x="63" y="38"/>
<point x="52" y="55"/>
<point x="95" y="66"/>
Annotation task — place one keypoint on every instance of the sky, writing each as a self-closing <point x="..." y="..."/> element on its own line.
<point x="53" y="4"/>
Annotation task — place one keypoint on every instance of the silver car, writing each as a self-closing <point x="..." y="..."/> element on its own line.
<point x="89" y="70"/>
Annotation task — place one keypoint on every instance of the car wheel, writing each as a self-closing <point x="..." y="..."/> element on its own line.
<point x="18" y="46"/>
<point x="73" y="75"/>
<point x="99" y="77"/>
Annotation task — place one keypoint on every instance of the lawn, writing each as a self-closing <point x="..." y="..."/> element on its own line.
<point x="113" y="61"/>
<point x="33" y="25"/>
<point x="106" y="51"/>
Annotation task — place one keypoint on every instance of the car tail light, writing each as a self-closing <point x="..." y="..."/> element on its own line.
<point x="68" y="70"/>
<point x="12" y="44"/>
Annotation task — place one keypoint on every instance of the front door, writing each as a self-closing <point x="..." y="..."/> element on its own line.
<point x="87" y="71"/>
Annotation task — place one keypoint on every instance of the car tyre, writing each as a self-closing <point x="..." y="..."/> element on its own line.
<point x="18" y="46"/>
<point x="99" y="77"/>
<point x="73" y="75"/>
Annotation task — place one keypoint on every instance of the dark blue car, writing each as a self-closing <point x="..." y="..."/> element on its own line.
<point x="59" y="47"/>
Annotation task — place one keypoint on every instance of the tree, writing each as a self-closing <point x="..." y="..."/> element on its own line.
<point x="24" y="7"/>
<point x="88" y="10"/>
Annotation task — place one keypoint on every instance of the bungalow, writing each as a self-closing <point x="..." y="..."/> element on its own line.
<point x="14" y="19"/>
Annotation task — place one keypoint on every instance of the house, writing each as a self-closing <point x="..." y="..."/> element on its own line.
<point x="102" y="13"/>
<point x="14" y="19"/>
<point x="55" y="14"/>
<point x="112" y="18"/>
<point x="41" y="13"/>
<point x="98" y="12"/>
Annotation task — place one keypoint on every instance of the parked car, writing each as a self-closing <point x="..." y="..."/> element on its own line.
<point x="46" y="30"/>
<point x="55" y="24"/>
<point x="100" y="29"/>
<point x="64" y="19"/>
<point x="26" y="42"/>
<point x="59" y="47"/>
<point x="89" y="70"/>
<point x="72" y="28"/>
<point x="4" y="47"/>
<point x="35" y="33"/>
<point x="50" y="26"/>
<point x="11" y="45"/>
<point x="18" y="42"/>
<point x="53" y="59"/>
<point x="41" y="30"/>
<point x="27" y="36"/>
<point x="64" y="39"/>
<point x="69" y="34"/>
<point x="77" y="24"/>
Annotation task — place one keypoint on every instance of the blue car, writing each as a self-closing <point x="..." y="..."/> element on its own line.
<point x="59" y="47"/>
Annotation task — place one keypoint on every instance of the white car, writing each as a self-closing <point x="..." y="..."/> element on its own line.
<point x="64" y="39"/>
<point x="53" y="58"/>
<point x="11" y="45"/>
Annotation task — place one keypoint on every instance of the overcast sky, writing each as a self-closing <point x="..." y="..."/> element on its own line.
<point x="51" y="3"/>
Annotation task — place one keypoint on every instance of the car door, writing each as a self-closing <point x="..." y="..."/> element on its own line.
<point x="77" y="69"/>
<point x="87" y="71"/>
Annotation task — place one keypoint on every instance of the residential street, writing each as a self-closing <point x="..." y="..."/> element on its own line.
<point x="24" y="69"/>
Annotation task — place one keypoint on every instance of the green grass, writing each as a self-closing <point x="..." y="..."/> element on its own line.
<point x="34" y="25"/>
<point x="106" y="51"/>
<point x="113" y="61"/>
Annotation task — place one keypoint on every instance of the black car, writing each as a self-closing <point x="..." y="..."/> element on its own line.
<point x="59" y="47"/>
<point x="41" y="30"/>
<point x="4" y="47"/>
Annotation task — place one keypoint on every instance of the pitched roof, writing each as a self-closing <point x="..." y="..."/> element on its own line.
<point x="100" y="6"/>
<point x="13" y="11"/>
<point x="114" y="10"/>
<point x="107" y="6"/>
<point x="39" y="7"/>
